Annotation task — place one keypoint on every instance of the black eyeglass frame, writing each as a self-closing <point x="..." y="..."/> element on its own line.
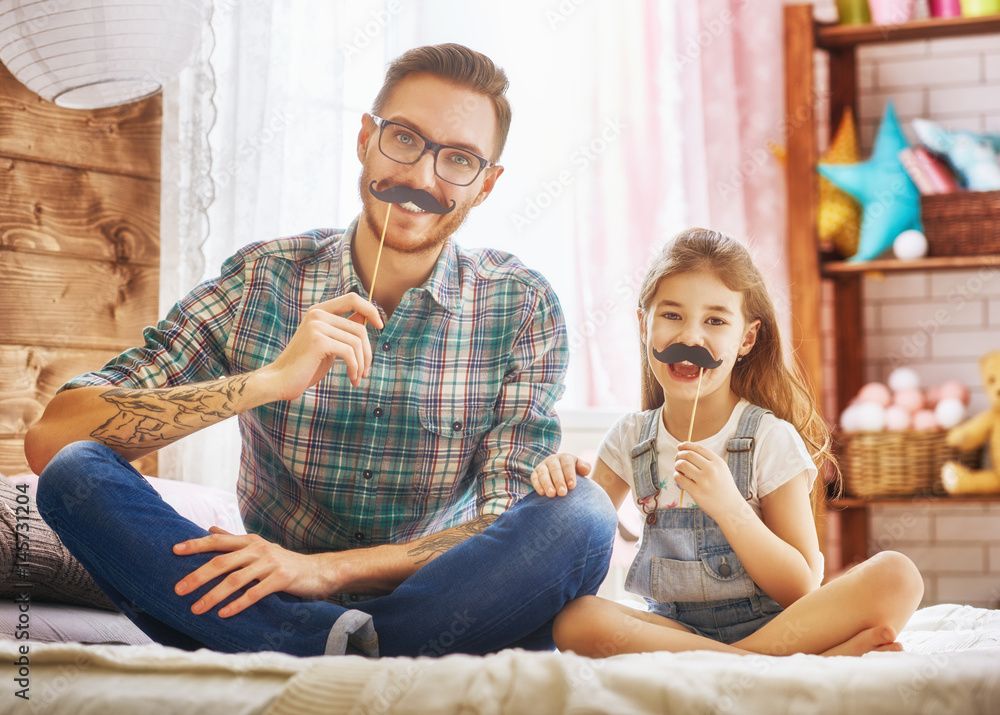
<point x="430" y="146"/>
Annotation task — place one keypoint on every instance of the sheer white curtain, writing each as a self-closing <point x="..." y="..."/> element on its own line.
<point x="598" y="165"/>
<point x="253" y="138"/>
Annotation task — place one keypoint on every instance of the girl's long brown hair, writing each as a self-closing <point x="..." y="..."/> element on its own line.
<point x="762" y="377"/>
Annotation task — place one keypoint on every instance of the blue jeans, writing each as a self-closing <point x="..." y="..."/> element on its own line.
<point x="498" y="589"/>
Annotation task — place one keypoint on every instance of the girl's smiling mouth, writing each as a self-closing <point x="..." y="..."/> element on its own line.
<point x="685" y="371"/>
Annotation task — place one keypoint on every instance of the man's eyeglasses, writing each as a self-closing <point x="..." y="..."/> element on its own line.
<point x="404" y="145"/>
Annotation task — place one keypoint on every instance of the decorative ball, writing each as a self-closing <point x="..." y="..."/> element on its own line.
<point x="910" y="399"/>
<point x="909" y="245"/>
<point x="933" y="395"/>
<point x="903" y="378"/>
<point x="954" y="389"/>
<point x="877" y="393"/>
<point x="897" y="419"/>
<point x="849" y="419"/>
<point x="870" y="417"/>
<point x="924" y="421"/>
<point x="949" y="412"/>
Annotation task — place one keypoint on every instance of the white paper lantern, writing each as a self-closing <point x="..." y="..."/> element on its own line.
<point x="88" y="54"/>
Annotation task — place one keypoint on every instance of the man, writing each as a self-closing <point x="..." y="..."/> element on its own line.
<point x="386" y="445"/>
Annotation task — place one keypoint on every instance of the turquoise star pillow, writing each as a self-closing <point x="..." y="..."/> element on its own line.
<point x="890" y="203"/>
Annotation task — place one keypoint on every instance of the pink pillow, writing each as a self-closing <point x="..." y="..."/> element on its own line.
<point x="205" y="506"/>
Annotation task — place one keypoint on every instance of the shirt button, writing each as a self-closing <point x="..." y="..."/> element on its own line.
<point x="360" y="536"/>
<point x="377" y="412"/>
<point x="353" y="597"/>
<point x="457" y="425"/>
<point x="724" y="570"/>
<point x="367" y="474"/>
<point x="386" y="346"/>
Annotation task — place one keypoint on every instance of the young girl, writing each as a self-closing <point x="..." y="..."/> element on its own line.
<point x="729" y="559"/>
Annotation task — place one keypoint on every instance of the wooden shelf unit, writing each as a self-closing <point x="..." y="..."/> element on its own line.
<point x="918" y="500"/>
<point x="803" y="35"/>
<point x="832" y="269"/>
<point x="832" y="36"/>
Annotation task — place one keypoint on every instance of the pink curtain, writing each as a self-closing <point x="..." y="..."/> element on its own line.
<point x="626" y="209"/>
<point x="702" y="103"/>
<point x="734" y="114"/>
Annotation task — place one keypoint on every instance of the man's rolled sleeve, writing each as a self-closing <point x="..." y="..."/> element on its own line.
<point x="526" y="427"/>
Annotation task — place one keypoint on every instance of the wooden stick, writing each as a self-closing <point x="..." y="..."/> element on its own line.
<point x="378" y="258"/>
<point x="694" y="409"/>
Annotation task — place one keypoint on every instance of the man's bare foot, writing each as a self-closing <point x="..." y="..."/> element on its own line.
<point x="879" y="638"/>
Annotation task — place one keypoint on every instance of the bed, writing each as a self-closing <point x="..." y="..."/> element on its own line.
<point x="951" y="665"/>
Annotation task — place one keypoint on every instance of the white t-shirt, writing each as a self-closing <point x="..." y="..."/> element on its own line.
<point x="779" y="454"/>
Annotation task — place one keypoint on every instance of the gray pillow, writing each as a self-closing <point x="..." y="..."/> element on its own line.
<point x="46" y="570"/>
<point x="63" y="623"/>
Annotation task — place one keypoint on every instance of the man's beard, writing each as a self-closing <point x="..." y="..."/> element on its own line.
<point x="373" y="213"/>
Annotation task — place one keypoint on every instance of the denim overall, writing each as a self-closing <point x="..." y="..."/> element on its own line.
<point x="686" y="569"/>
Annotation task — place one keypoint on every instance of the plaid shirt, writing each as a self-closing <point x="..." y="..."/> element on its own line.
<point x="457" y="411"/>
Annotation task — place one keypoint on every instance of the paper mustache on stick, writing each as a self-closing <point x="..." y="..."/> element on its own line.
<point x="401" y="194"/>
<point x="694" y="354"/>
<point x="702" y="358"/>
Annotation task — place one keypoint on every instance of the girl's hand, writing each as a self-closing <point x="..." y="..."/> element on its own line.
<point x="557" y="474"/>
<point x="706" y="477"/>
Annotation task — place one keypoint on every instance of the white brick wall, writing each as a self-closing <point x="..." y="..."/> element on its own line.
<point x="953" y="81"/>
<point x="937" y="323"/>
<point x="956" y="548"/>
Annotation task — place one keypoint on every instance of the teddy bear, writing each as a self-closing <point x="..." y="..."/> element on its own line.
<point x="974" y="433"/>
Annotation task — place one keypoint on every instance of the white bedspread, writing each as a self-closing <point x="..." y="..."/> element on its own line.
<point x="952" y="665"/>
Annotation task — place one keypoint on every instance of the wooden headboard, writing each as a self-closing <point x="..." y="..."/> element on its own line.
<point x="79" y="246"/>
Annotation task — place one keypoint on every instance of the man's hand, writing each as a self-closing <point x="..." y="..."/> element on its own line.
<point x="332" y="330"/>
<point x="249" y="558"/>
<point x="706" y="477"/>
<point x="556" y="475"/>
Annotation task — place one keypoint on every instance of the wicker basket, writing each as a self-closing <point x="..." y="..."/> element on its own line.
<point x="881" y="464"/>
<point x="964" y="223"/>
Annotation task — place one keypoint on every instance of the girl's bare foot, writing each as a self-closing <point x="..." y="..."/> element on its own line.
<point x="879" y="638"/>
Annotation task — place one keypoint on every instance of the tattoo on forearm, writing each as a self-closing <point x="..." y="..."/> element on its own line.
<point x="439" y="543"/>
<point x="162" y="416"/>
